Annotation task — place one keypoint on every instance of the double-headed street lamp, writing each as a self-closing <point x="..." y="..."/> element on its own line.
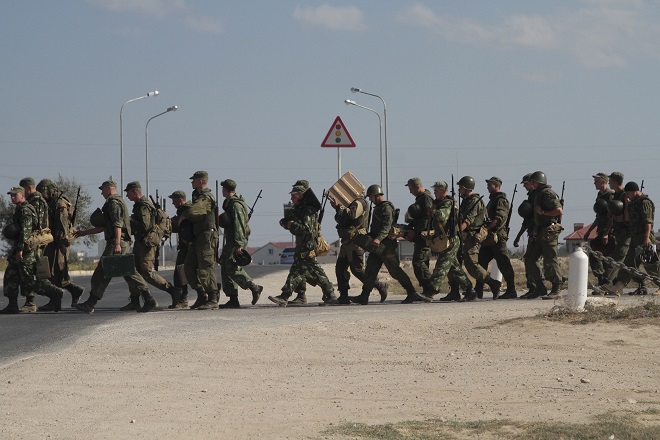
<point x="380" y="133"/>
<point x="121" y="134"/>
<point x="146" y="141"/>
<point x="387" y="179"/>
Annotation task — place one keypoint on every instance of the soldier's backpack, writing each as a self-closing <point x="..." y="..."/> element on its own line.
<point x="162" y="229"/>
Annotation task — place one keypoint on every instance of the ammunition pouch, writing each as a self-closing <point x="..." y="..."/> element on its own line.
<point x="39" y="239"/>
<point x="438" y="242"/>
<point x="491" y="239"/>
<point x="42" y="271"/>
<point x="552" y="232"/>
<point x="396" y="232"/>
<point x="481" y="234"/>
<point x="322" y="247"/>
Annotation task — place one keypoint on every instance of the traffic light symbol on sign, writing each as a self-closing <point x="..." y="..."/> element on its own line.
<point x="338" y="136"/>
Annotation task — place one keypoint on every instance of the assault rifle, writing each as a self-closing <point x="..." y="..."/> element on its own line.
<point x="508" y="219"/>
<point x="75" y="208"/>
<point x="157" y="254"/>
<point x="254" y="204"/>
<point x="641" y="187"/>
<point x="561" y="201"/>
<point x="452" y="211"/>
<point x="324" y="200"/>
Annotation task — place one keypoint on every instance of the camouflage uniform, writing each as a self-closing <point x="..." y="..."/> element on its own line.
<point x="498" y="209"/>
<point x="116" y="215"/>
<point x="544" y="243"/>
<point x="381" y="223"/>
<point x="60" y="211"/>
<point x="641" y="212"/>
<point x="351" y="219"/>
<point x="473" y="211"/>
<point x="600" y="223"/>
<point x="200" y="261"/>
<point x="305" y="267"/>
<point x="620" y="233"/>
<point x="235" y="237"/>
<point x="143" y="221"/>
<point x="447" y="264"/>
<point x="419" y="221"/>
<point x="20" y="275"/>
<point x="184" y="237"/>
<point x="41" y="209"/>
<point x="528" y="223"/>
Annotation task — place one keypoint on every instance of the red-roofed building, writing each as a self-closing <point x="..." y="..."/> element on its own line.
<point x="577" y="237"/>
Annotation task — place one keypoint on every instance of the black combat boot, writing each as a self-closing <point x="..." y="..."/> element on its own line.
<point x="362" y="298"/>
<point x="231" y="304"/>
<point x="175" y="293"/>
<point x="149" y="303"/>
<point x="88" y="306"/>
<point x="202" y="297"/>
<point x="479" y="288"/>
<point x="381" y="287"/>
<point x="256" y="292"/>
<point x="12" y="308"/>
<point x="343" y="298"/>
<point x="454" y="294"/>
<point x="55" y="295"/>
<point x="132" y="306"/>
<point x="76" y="292"/>
<point x="495" y="286"/>
<point x="470" y="295"/>
<point x="539" y="291"/>
<point x="510" y="292"/>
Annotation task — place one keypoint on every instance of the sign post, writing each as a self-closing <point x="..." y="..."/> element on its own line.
<point x="338" y="137"/>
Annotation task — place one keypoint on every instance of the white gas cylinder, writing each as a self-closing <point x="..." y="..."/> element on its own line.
<point x="578" y="278"/>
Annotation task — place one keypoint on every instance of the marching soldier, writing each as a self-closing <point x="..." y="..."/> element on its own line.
<point x="603" y="197"/>
<point x="200" y="261"/>
<point x="447" y="265"/>
<point x="418" y="218"/>
<point x="305" y="268"/>
<point x="60" y="218"/>
<point x="494" y="247"/>
<point x="115" y="223"/>
<point x="382" y="250"/>
<point x="143" y="223"/>
<point x="350" y="220"/>
<point x="471" y="221"/>
<point x="22" y="257"/>
<point x="526" y="211"/>
<point x="236" y="233"/>
<point x="184" y="237"/>
<point x="547" y="211"/>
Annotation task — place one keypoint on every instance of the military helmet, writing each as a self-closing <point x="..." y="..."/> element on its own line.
<point x="615" y="207"/>
<point x="243" y="259"/>
<point x="11" y="231"/>
<point x="415" y="211"/>
<point x="223" y="220"/>
<point x="97" y="218"/>
<point x="600" y="207"/>
<point x="374" y="190"/>
<point x="650" y="256"/>
<point x="540" y="177"/>
<point x="525" y="209"/>
<point x="467" y="182"/>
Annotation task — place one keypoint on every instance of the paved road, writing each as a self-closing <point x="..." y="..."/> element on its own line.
<point x="25" y="334"/>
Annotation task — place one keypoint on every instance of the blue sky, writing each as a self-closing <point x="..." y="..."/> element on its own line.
<point x="477" y="88"/>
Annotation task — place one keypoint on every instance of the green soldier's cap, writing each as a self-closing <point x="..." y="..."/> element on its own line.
<point x="16" y="190"/>
<point x="617" y="176"/>
<point x="108" y="183"/>
<point x="133" y="185"/>
<point x="303" y="183"/>
<point x="297" y="189"/>
<point x="177" y="195"/>
<point x="631" y="186"/>
<point x="495" y="179"/>
<point x="228" y="184"/>
<point x="27" y="181"/>
<point x="414" y="181"/>
<point x="603" y="176"/>
<point x="200" y="175"/>
<point x="526" y="178"/>
<point x="440" y="184"/>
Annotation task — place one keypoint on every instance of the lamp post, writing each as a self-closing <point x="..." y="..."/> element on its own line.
<point x="380" y="133"/>
<point x="387" y="179"/>
<point x="146" y="141"/>
<point x="121" y="133"/>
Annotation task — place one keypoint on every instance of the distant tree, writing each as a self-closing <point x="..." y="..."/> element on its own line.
<point x="6" y="212"/>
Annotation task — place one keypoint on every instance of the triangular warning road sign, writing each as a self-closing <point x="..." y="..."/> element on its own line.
<point x="338" y="136"/>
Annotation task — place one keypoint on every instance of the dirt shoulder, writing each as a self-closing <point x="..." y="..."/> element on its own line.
<point x="281" y="373"/>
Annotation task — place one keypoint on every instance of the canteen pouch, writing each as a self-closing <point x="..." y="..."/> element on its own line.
<point x="39" y="239"/>
<point x="42" y="271"/>
<point x="481" y="234"/>
<point x="491" y="239"/>
<point x="552" y="232"/>
<point x="437" y="242"/>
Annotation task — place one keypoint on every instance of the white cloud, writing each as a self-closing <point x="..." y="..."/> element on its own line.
<point x="602" y="34"/>
<point x="347" y="18"/>
<point x="205" y="25"/>
<point x="155" y="8"/>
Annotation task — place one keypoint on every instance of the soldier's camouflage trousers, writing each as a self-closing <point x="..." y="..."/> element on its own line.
<point x="304" y="270"/>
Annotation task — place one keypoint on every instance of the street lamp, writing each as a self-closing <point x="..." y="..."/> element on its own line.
<point x="146" y="141"/>
<point x="121" y="133"/>
<point x="380" y="133"/>
<point x="387" y="179"/>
